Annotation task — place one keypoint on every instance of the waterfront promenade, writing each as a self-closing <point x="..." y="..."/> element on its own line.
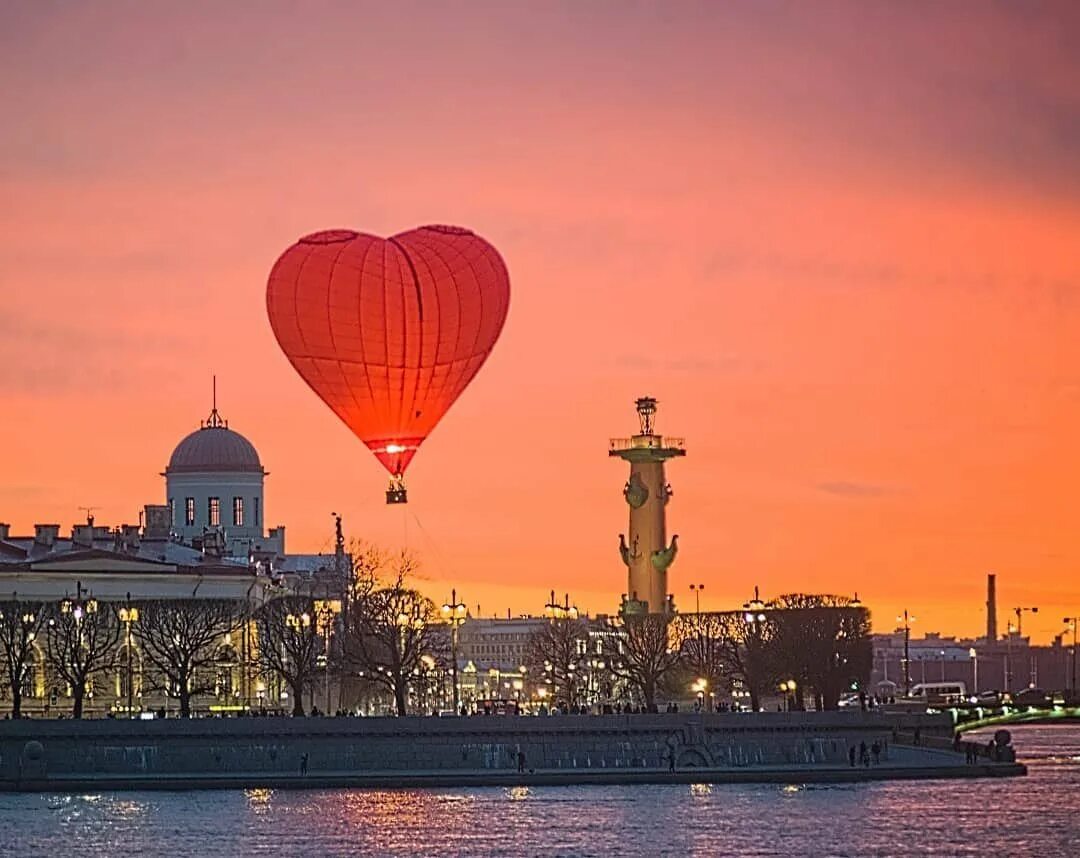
<point x="478" y="751"/>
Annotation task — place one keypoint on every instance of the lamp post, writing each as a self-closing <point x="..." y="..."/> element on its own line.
<point x="554" y="611"/>
<point x="696" y="590"/>
<point x="754" y="615"/>
<point x="1073" y="623"/>
<point x="455" y="613"/>
<point x="407" y="622"/>
<point x="907" y="619"/>
<point x="326" y="610"/>
<point x="974" y="655"/>
<point x="129" y="615"/>
<point x="1012" y="630"/>
<point x="79" y="608"/>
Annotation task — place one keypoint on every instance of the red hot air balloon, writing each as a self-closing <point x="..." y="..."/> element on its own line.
<point x="389" y="331"/>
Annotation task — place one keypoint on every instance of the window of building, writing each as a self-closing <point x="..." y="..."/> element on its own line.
<point x="238" y="512"/>
<point x="189" y="511"/>
<point x="256" y="512"/>
<point x="214" y="510"/>
<point x="172" y="512"/>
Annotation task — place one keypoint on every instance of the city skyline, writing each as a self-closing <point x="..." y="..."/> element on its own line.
<point x="849" y="279"/>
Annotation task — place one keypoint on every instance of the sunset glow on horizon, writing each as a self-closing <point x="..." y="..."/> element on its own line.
<point x="838" y="243"/>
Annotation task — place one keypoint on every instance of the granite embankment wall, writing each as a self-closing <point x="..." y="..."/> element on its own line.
<point x="38" y="751"/>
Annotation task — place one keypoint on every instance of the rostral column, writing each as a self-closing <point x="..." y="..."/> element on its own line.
<point x="645" y="550"/>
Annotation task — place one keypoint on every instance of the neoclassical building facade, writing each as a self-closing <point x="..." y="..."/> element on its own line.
<point x="207" y="541"/>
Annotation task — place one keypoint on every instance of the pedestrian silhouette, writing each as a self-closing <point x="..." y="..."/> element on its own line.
<point x="303" y="764"/>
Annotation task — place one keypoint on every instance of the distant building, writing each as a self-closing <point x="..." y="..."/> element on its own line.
<point x="1009" y="663"/>
<point x="207" y="541"/>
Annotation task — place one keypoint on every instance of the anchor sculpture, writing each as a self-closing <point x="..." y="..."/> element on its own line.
<point x="630" y="552"/>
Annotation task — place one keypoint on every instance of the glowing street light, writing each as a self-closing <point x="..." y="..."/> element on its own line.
<point x="454" y="613"/>
<point x="907" y="620"/>
<point x="128" y="615"/>
<point x="554" y="611"/>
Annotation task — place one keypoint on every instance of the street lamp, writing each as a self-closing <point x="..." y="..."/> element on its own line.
<point x="755" y="604"/>
<point x="1073" y="623"/>
<point x="789" y="687"/>
<point x="973" y="654"/>
<point x="325" y="612"/>
<point x="907" y="620"/>
<point x="129" y="615"/>
<point x="554" y="611"/>
<point x="455" y="614"/>
<point x="696" y="590"/>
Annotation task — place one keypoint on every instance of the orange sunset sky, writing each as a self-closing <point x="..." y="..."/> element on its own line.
<point x="839" y="242"/>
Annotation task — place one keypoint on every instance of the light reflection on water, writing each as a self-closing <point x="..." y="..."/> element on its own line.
<point x="1037" y="815"/>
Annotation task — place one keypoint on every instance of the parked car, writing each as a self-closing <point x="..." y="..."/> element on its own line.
<point x="1031" y="697"/>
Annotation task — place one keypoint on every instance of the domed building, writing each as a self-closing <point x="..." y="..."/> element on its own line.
<point x="214" y="480"/>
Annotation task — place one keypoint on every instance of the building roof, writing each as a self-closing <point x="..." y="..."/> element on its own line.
<point x="214" y="449"/>
<point x="24" y="549"/>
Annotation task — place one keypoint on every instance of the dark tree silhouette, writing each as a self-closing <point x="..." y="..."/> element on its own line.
<point x="81" y="643"/>
<point x="20" y="623"/>
<point x="388" y="626"/>
<point x="822" y="641"/>
<point x="289" y="644"/>
<point x="557" y="653"/>
<point x="180" y="639"/>
<point x="702" y="644"/>
<point x="643" y="655"/>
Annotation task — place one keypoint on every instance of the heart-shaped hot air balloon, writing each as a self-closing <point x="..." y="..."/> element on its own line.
<point x="389" y="331"/>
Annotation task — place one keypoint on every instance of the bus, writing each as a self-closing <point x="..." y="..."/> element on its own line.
<point x="940" y="693"/>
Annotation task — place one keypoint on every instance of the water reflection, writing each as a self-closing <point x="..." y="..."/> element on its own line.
<point x="259" y="800"/>
<point x="940" y="817"/>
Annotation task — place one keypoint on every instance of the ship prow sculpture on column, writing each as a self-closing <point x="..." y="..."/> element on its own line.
<point x="645" y="549"/>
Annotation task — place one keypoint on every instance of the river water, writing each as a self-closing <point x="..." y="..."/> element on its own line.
<point x="1036" y="815"/>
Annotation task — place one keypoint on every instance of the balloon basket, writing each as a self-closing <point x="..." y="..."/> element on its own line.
<point x="396" y="493"/>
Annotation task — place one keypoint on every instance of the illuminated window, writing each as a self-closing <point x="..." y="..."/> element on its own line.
<point x="238" y="512"/>
<point x="189" y="511"/>
<point x="214" y="509"/>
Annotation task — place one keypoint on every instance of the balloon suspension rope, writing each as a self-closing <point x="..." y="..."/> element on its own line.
<point x="435" y="550"/>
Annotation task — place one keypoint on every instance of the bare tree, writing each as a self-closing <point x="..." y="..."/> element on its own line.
<point x="388" y="626"/>
<point x="180" y="639"/>
<point x="20" y="623"/>
<point x="289" y="644"/>
<point x="643" y="655"/>
<point x="557" y="652"/>
<point x="81" y="643"/>
<point x="747" y="642"/>
<point x="703" y="647"/>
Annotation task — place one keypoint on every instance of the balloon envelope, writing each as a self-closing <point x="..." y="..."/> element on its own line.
<point x="389" y="332"/>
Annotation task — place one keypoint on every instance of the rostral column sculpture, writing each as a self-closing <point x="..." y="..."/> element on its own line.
<point x="645" y="549"/>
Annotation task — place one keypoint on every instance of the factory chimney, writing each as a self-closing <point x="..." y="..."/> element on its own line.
<point x="991" y="608"/>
